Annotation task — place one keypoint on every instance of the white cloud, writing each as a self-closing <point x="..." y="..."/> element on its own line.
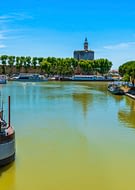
<point x="5" y="17"/>
<point x="6" y="21"/>
<point x="2" y="37"/>
<point x="15" y="16"/>
<point x="119" y="46"/>
<point x="21" y="16"/>
<point x="11" y="34"/>
<point x="2" y="46"/>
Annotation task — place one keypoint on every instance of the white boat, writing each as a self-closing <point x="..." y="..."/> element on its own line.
<point x="115" y="89"/>
<point x="87" y="78"/>
<point x="26" y="77"/>
<point x="3" y="79"/>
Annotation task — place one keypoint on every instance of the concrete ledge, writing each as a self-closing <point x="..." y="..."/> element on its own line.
<point x="130" y="95"/>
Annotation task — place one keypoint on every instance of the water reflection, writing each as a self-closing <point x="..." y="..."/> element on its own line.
<point x="60" y="159"/>
<point x="117" y="98"/>
<point x="89" y="94"/>
<point x="84" y="99"/>
<point x="127" y="114"/>
<point x="59" y="148"/>
<point x="7" y="177"/>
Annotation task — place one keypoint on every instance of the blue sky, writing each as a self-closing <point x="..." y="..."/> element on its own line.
<point x="57" y="28"/>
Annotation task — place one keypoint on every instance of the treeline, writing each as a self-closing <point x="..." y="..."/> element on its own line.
<point x="55" y="66"/>
<point x="127" y="71"/>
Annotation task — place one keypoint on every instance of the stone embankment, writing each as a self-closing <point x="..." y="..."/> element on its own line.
<point x="130" y="95"/>
<point x="129" y="91"/>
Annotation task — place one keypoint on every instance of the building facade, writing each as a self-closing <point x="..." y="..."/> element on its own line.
<point x="85" y="54"/>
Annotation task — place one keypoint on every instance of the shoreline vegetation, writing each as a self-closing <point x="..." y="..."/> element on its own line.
<point x="53" y="66"/>
<point x="67" y="67"/>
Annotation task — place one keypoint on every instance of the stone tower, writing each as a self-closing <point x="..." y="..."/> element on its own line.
<point x="84" y="54"/>
<point x="86" y="44"/>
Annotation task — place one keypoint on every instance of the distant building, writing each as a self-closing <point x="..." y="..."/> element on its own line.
<point x="84" y="54"/>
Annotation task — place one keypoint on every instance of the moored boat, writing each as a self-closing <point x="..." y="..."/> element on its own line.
<point x="90" y="78"/>
<point x="26" y="77"/>
<point x="3" y="79"/>
<point x="115" y="89"/>
<point x="7" y="139"/>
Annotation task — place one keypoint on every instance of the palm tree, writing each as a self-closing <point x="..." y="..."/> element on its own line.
<point x="22" y="61"/>
<point x="4" y="62"/>
<point x="28" y="63"/>
<point x="11" y="61"/>
<point x="40" y="59"/>
<point x="34" y="62"/>
<point x="45" y="65"/>
<point x="18" y="64"/>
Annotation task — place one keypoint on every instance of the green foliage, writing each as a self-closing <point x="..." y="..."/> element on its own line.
<point x="58" y="66"/>
<point x="103" y="65"/>
<point x="34" y="62"/>
<point x="3" y="59"/>
<point x="127" y="70"/>
<point x="11" y="60"/>
<point x="126" y="77"/>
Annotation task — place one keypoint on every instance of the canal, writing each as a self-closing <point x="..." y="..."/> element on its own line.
<point x="70" y="136"/>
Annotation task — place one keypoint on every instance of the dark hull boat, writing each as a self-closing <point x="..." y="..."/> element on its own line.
<point x="7" y="140"/>
<point x="116" y="90"/>
<point x="26" y="77"/>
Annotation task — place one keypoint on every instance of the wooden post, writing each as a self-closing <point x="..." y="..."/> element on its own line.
<point x="1" y="116"/>
<point x="8" y="111"/>
<point x="0" y="126"/>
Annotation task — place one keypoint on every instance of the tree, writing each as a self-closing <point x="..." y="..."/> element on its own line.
<point x="28" y="62"/>
<point x="57" y="66"/>
<point x="34" y="62"/>
<point x="4" y="62"/>
<point x="22" y="61"/>
<point x="104" y="65"/>
<point x="128" y="69"/>
<point x="45" y="65"/>
<point x="18" y="64"/>
<point x="11" y="61"/>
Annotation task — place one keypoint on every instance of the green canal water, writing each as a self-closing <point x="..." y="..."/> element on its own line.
<point x="70" y="136"/>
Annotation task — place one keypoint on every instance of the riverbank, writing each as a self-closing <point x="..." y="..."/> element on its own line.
<point x="130" y="95"/>
<point x="129" y="91"/>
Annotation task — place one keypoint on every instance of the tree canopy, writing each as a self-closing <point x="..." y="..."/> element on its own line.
<point x="127" y="71"/>
<point x="56" y="66"/>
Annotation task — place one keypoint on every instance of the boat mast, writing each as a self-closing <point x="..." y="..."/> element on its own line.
<point x="8" y="111"/>
<point x="1" y="113"/>
<point x="2" y="110"/>
<point x="1" y="116"/>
